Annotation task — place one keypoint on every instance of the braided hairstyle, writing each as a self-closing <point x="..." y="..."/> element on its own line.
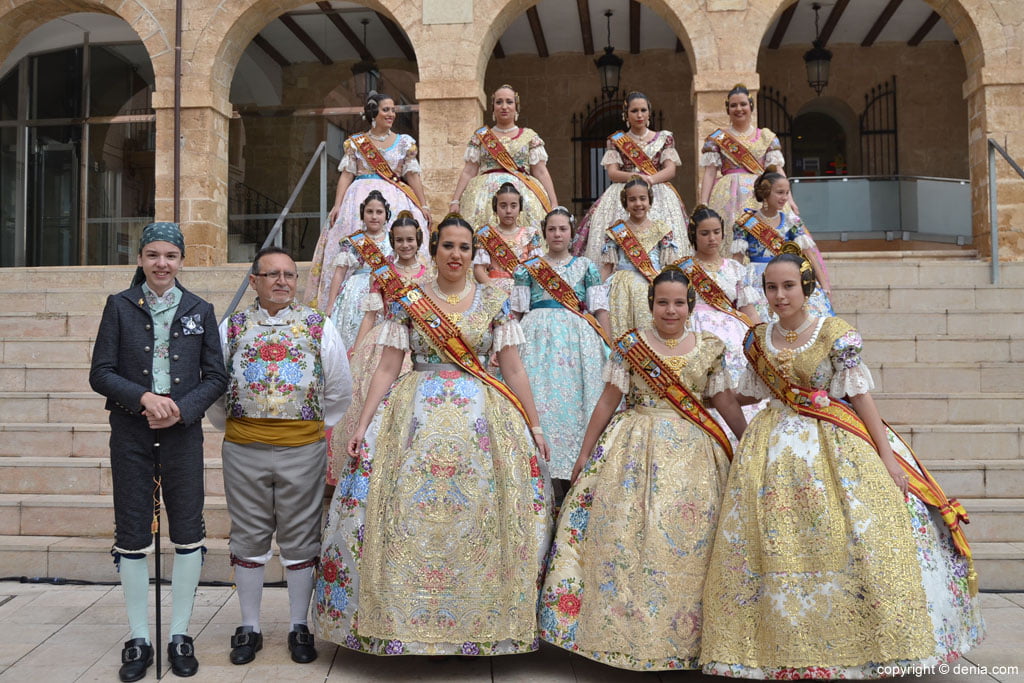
<point x="672" y="273"/>
<point x="558" y="211"/>
<point x="405" y="218"/>
<point x="633" y="182"/>
<point x="507" y="188"/>
<point x="447" y="221"/>
<point x="764" y="182"/>
<point x="739" y="89"/>
<point x="372" y="106"/>
<point x="699" y="215"/>
<point x="792" y="253"/>
<point x="375" y="196"/>
<point x="634" y="95"/>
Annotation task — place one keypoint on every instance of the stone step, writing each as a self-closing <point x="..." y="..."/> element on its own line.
<point x="961" y="408"/>
<point x="60" y="350"/>
<point x="995" y="519"/>
<point x="55" y="441"/>
<point x="80" y="476"/>
<point x="934" y="348"/>
<point x="986" y="479"/>
<point x="845" y="272"/>
<point x="41" y="406"/>
<point x="856" y="298"/>
<point x="1000" y="566"/>
<point x="978" y="377"/>
<point x="955" y="323"/>
<point x="44" y="377"/>
<point x="29" y="514"/>
<point x="964" y="442"/>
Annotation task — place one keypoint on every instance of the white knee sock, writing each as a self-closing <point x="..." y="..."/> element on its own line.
<point x="184" y="581"/>
<point x="135" y="582"/>
<point x="249" y="582"/>
<point x="300" y="590"/>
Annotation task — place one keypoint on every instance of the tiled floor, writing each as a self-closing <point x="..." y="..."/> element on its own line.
<point x="50" y="634"/>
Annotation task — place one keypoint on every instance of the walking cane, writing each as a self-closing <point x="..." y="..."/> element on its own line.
<point x="158" y="644"/>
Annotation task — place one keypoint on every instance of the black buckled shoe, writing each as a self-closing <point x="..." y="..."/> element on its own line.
<point x="245" y="644"/>
<point x="136" y="657"/>
<point x="300" y="644"/>
<point x="181" y="653"/>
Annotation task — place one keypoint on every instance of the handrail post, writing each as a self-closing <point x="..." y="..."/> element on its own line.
<point x="993" y="211"/>
<point x="323" y="188"/>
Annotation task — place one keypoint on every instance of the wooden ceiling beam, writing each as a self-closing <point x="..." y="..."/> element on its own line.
<point x="881" y="22"/>
<point x="345" y="30"/>
<point x="264" y="44"/>
<point x="305" y="39"/>
<point x="586" y="30"/>
<point x="634" y="27"/>
<point x="927" y="26"/>
<point x="782" y="26"/>
<point x="396" y="35"/>
<point x="537" y="30"/>
<point x="832" y="21"/>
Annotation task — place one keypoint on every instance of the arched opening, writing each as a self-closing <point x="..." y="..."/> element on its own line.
<point x="294" y="86"/>
<point x="891" y="67"/>
<point x="77" y="144"/>
<point x="548" y="54"/>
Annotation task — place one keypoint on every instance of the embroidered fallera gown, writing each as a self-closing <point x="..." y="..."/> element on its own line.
<point x="526" y="148"/>
<point x="820" y="568"/>
<point x="436" y="536"/>
<point x="666" y="208"/>
<point x="562" y="356"/>
<point x="401" y="156"/>
<point x="633" y="540"/>
<point x="792" y="229"/>
<point x="525" y="243"/>
<point x="346" y="314"/>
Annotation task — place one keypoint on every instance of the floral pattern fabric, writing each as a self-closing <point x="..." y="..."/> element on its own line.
<point x="627" y="287"/>
<point x="526" y="149"/>
<point x="347" y="313"/>
<point x="815" y="538"/>
<point x="436" y="535"/>
<point x="633" y="539"/>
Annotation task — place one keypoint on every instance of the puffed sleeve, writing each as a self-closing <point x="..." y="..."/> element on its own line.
<point x="507" y="330"/>
<point x="668" y="152"/>
<point x="349" y="162"/>
<point x="851" y="376"/>
<point x="410" y="163"/>
<point x="537" y="151"/>
<point x="371" y="302"/>
<point x="749" y="384"/>
<point x="394" y="331"/>
<point x="615" y="372"/>
<point x="610" y="251"/>
<point x="773" y="156"/>
<point x="745" y="294"/>
<point x="473" y="152"/>
<point x="719" y="379"/>
<point x="347" y="257"/>
<point x="520" y="297"/>
<point x="800" y="234"/>
<point x="669" y="248"/>
<point x="709" y="154"/>
<point x="596" y="289"/>
<point x="611" y="155"/>
<point x="739" y="239"/>
<point x="482" y="257"/>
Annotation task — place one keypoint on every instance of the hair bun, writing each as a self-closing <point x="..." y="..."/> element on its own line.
<point x="772" y="168"/>
<point x="405" y="213"/>
<point x="791" y="248"/>
<point x="697" y="209"/>
<point x="739" y="86"/>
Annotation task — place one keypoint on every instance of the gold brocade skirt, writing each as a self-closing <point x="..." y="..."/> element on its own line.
<point x="815" y="566"/>
<point x="633" y="543"/>
<point x="627" y="302"/>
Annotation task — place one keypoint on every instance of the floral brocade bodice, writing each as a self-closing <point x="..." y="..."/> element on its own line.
<point x="477" y="325"/>
<point x="525" y="147"/>
<point x="700" y="371"/>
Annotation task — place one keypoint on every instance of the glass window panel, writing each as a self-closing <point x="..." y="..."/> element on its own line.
<point x="8" y="195"/>
<point x="9" y="96"/>
<point x="121" y="80"/>
<point x="53" y="195"/>
<point x="56" y="85"/>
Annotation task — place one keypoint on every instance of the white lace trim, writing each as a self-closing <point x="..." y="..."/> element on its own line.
<point x="472" y="154"/>
<point x="597" y="298"/>
<point x="611" y="156"/>
<point x="610" y="254"/>
<point x="747" y="296"/>
<point x="537" y="155"/>
<point x="670" y="154"/>
<point x="719" y="381"/>
<point x="482" y="258"/>
<point x="519" y="300"/>
<point x="852" y="381"/>
<point x="616" y="375"/>
<point x="710" y="159"/>
<point x="371" y="302"/>
<point x="394" y="335"/>
<point x="345" y="259"/>
<point x="509" y="333"/>
<point x="805" y="242"/>
<point x="412" y="166"/>
<point x="739" y="247"/>
<point x="749" y="384"/>
<point x="774" y="157"/>
<point x="348" y="163"/>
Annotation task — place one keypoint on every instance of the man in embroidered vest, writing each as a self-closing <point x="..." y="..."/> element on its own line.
<point x="158" y="361"/>
<point x="288" y="377"/>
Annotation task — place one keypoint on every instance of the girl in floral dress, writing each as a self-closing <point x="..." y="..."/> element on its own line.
<point x="823" y="565"/>
<point x="523" y="239"/>
<point x="437" y="532"/>
<point x="633" y="540"/>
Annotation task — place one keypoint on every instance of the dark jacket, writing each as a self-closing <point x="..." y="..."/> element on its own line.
<point x="122" y="359"/>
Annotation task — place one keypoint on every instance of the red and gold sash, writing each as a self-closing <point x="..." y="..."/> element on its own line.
<point x="736" y="151"/>
<point x="372" y="256"/>
<point x="839" y="413"/>
<point x="768" y="236"/>
<point x="633" y="250"/>
<point x="497" y="150"/>
<point x="503" y="257"/>
<point x="634" y="152"/>
<point x="382" y="168"/>
<point x="645" y="362"/>
<point x="562" y="292"/>
<point x="712" y="294"/>
<point x="442" y="333"/>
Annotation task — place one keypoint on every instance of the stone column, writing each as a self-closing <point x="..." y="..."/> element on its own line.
<point x="708" y="93"/>
<point x="204" y="177"/>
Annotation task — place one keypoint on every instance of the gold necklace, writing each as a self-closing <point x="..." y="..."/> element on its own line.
<point x="452" y="299"/>
<point x="407" y="270"/>
<point x="791" y="335"/>
<point x="707" y="265"/>
<point x="670" y="343"/>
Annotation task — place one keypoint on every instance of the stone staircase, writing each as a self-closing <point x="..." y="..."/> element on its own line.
<point x="945" y="347"/>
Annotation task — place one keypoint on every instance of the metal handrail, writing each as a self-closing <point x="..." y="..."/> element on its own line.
<point x="275" y="232"/>
<point x="993" y="190"/>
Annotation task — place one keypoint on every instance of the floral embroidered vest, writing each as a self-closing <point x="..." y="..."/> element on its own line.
<point x="274" y="364"/>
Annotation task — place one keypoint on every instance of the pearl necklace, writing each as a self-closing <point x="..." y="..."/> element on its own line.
<point x="407" y="270"/>
<point x="504" y="131"/>
<point x="745" y="134"/>
<point x="378" y="138"/>
<point x="791" y="335"/>
<point x="670" y="343"/>
<point x="638" y="138"/>
<point x="559" y="263"/>
<point x="452" y="299"/>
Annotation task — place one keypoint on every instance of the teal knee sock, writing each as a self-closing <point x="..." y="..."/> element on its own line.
<point x="135" y="582"/>
<point x="184" y="581"/>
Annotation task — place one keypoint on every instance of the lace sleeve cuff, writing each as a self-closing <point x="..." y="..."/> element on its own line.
<point x="610" y="254"/>
<point x="482" y="258"/>
<point x="710" y="159"/>
<point x="749" y="384"/>
<point x="371" y="302"/>
<point x="774" y="157"/>
<point x="412" y="166"/>
<point x="345" y="259"/>
<point x="611" y="156"/>
<point x="747" y="296"/>
<point x="597" y="298"/>
<point x="509" y="333"/>
<point x="537" y="155"/>
<point x="472" y="154"/>
<point x="719" y="381"/>
<point x="394" y="334"/>
<point x="670" y="154"/>
<point x="805" y="242"/>
<point x="739" y="247"/>
<point x="616" y="375"/>
<point x="519" y="300"/>
<point x="852" y="381"/>
<point x="348" y="163"/>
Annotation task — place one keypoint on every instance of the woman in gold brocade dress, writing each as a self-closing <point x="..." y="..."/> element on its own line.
<point x="823" y="566"/>
<point x="633" y="540"/>
<point x="483" y="174"/>
<point x="436" y="535"/>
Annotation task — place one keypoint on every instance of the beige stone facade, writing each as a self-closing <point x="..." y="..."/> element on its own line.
<point x="984" y="87"/>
